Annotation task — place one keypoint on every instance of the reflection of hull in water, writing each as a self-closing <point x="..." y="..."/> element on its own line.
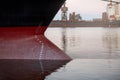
<point x="22" y="27"/>
<point x="28" y="69"/>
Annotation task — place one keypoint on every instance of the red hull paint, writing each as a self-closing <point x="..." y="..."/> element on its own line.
<point x="28" y="43"/>
<point x="14" y="32"/>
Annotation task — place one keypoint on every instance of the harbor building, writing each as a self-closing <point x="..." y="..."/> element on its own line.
<point x="104" y="16"/>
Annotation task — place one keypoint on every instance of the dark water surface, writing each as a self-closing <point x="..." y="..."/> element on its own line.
<point x="14" y="69"/>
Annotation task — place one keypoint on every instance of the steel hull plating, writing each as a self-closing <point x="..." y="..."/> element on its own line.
<point x="22" y="27"/>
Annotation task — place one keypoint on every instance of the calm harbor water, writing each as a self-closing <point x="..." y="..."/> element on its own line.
<point x="87" y="43"/>
<point x="95" y="52"/>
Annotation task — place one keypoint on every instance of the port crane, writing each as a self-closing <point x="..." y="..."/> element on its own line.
<point x="64" y="10"/>
<point x="113" y="9"/>
<point x="112" y="1"/>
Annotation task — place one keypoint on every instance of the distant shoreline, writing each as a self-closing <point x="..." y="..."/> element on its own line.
<point x="84" y="24"/>
<point x="84" y="27"/>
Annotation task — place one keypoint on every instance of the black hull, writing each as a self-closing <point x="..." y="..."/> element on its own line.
<point x="28" y="13"/>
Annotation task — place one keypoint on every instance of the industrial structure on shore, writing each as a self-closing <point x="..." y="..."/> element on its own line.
<point x="72" y="16"/>
<point x="109" y="18"/>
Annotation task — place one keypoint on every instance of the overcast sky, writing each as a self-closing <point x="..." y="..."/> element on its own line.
<point x="88" y="9"/>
